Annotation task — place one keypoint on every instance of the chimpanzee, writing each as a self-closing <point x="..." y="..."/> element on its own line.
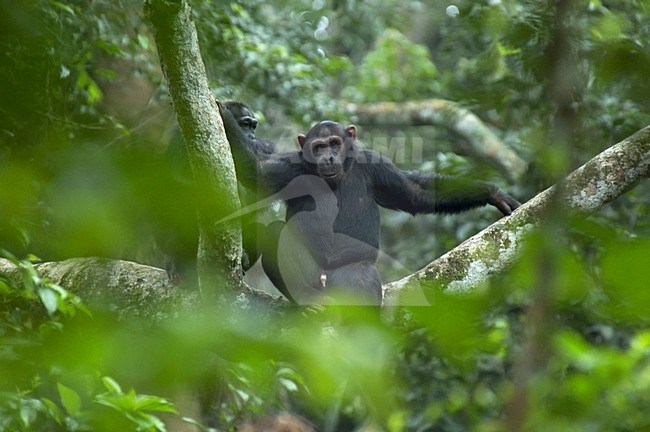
<point x="251" y="229"/>
<point x="180" y="248"/>
<point x="248" y="123"/>
<point x="333" y="191"/>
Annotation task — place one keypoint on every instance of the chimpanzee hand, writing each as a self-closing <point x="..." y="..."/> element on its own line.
<point x="312" y="310"/>
<point x="222" y="109"/>
<point x="228" y="118"/>
<point x="504" y="202"/>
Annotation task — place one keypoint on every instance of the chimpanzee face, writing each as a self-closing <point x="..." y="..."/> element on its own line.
<point x="245" y="118"/>
<point x="326" y="146"/>
<point x="247" y="121"/>
<point x="329" y="154"/>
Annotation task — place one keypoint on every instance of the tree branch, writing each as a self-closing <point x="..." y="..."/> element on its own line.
<point x="219" y="253"/>
<point x="129" y="289"/>
<point x="479" y="140"/>
<point x="601" y="180"/>
<point x="145" y="291"/>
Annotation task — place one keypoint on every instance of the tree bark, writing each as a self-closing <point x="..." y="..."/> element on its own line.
<point x="596" y="183"/>
<point x="131" y="290"/>
<point x="477" y="138"/>
<point x="219" y="252"/>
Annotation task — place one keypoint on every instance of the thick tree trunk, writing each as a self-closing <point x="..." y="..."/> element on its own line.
<point x="219" y="254"/>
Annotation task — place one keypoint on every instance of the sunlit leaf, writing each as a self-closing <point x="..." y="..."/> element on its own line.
<point x="70" y="399"/>
<point x="111" y="385"/>
<point x="153" y="403"/>
<point x="49" y="299"/>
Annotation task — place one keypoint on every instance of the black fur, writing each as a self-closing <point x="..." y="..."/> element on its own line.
<point x="248" y="123"/>
<point x="333" y="192"/>
<point x="251" y="229"/>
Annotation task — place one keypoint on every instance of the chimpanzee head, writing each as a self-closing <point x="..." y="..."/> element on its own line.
<point x="244" y="116"/>
<point x="327" y="145"/>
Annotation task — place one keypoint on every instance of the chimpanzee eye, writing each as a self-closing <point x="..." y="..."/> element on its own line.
<point x="335" y="142"/>
<point x="248" y="123"/>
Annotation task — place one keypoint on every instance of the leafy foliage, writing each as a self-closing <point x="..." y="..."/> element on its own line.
<point x="396" y="70"/>
<point x="33" y="395"/>
<point x="82" y="126"/>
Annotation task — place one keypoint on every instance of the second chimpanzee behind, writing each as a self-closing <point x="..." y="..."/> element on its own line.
<point x="333" y="191"/>
<point x="179" y="245"/>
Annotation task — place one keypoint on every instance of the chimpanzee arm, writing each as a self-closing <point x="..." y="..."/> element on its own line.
<point x="258" y="168"/>
<point x="456" y="194"/>
<point x="417" y="192"/>
<point x="242" y="148"/>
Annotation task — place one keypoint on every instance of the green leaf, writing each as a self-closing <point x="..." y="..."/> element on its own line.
<point x="195" y="423"/>
<point x="53" y="410"/>
<point x="94" y="93"/>
<point x="288" y="384"/>
<point x="64" y="7"/>
<point x="65" y="72"/>
<point x="33" y="258"/>
<point x="5" y="288"/>
<point x="153" y="403"/>
<point x="70" y="399"/>
<point x="143" y="41"/>
<point x="505" y="50"/>
<point x="49" y="299"/>
<point x="27" y="414"/>
<point x="85" y="82"/>
<point x="112" y="385"/>
<point x="110" y="48"/>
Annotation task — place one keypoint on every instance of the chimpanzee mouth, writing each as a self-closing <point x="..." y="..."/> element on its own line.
<point x="330" y="176"/>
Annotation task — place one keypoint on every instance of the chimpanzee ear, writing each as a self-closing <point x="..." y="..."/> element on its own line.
<point x="301" y="140"/>
<point x="352" y="131"/>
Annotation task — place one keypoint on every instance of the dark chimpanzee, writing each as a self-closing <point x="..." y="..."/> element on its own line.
<point x="333" y="191"/>
<point x="180" y="248"/>
<point x="248" y="123"/>
<point x="251" y="229"/>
